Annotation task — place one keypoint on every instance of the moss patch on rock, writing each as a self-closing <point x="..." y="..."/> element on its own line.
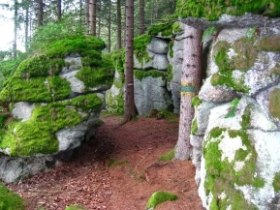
<point x="271" y="43"/>
<point x="228" y="65"/>
<point x="196" y="101"/>
<point x="160" y="197"/>
<point x="140" y="44"/>
<point x="212" y="10"/>
<point x="10" y="200"/>
<point x="276" y="182"/>
<point x="141" y="74"/>
<point x="223" y="174"/>
<point x="274" y="100"/>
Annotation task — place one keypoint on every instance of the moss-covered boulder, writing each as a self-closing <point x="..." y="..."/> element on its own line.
<point x="10" y="200"/>
<point x="239" y="157"/>
<point x="51" y="102"/>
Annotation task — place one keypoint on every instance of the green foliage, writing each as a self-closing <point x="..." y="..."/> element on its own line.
<point x="140" y="44"/>
<point x="209" y="32"/>
<point x="75" y="207"/>
<point x="168" y="156"/>
<point x="118" y="59"/>
<point x="164" y="27"/>
<point x="160" y="197"/>
<point x="9" y="200"/>
<point x="84" y="102"/>
<point x="141" y="74"/>
<point x="233" y="108"/>
<point x="274" y="100"/>
<point x="276" y="182"/>
<point x="246" y="118"/>
<point x="212" y="10"/>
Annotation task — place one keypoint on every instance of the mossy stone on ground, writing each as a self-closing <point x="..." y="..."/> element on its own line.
<point x="9" y="200"/>
<point x="160" y="197"/>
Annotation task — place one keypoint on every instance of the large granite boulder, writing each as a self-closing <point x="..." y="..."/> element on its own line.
<point x="50" y="105"/>
<point x="235" y="132"/>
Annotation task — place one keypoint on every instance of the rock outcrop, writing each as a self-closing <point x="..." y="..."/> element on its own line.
<point x="235" y="132"/>
<point x="51" y="104"/>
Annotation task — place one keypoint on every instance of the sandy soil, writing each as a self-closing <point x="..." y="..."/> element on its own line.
<point x="119" y="170"/>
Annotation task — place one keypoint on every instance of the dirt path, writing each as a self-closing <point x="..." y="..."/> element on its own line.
<point x="124" y="178"/>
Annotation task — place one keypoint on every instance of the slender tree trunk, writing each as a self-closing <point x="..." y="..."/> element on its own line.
<point x="142" y="16"/>
<point x="58" y="10"/>
<point x="15" y="28"/>
<point x="119" y="25"/>
<point x="130" y="109"/>
<point x="152" y="11"/>
<point x="92" y="17"/>
<point x="26" y="27"/>
<point x="125" y="16"/>
<point x="109" y="26"/>
<point x="99" y="12"/>
<point x="87" y="14"/>
<point x="40" y="12"/>
<point x="190" y="84"/>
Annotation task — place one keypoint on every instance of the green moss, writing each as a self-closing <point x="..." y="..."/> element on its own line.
<point x="115" y="103"/>
<point x="35" y="90"/>
<point x="194" y="127"/>
<point x="221" y="175"/>
<point x="84" y="102"/>
<point x="118" y="59"/>
<point x="271" y="43"/>
<point x="196" y="101"/>
<point x="9" y="200"/>
<point x="141" y="74"/>
<point x="276" y="182"/>
<point x="160" y="197"/>
<point x="169" y="72"/>
<point x="37" y="135"/>
<point x="233" y="108"/>
<point x="140" y="44"/>
<point x="164" y="27"/>
<point x="170" y="49"/>
<point x="39" y="66"/>
<point x="212" y="10"/>
<point x="168" y="156"/>
<point x="274" y="100"/>
<point x="176" y="27"/>
<point x="83" y="45"/>
<point x="95" y="77"/>
<point x="226" y="66"/>
<point x="208" y="33"/>
<point x="114" y="163"/>
<point x="246" y="118"/>
<point x="75" y="207"/>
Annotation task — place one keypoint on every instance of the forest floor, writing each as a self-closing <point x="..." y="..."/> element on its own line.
<point x="119" y="170"/>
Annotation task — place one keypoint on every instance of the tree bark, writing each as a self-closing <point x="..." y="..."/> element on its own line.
<point x="58" y="10"/>
<point x="109" y="25"/>
<point x="87" y="15"/>
<point x="119" y="25"/>
<point x="26" y="27"/>
<point x="190" y="84"/>
<point x="40" y="12"/>
<point x="15" y="28"/>
<point x="130" y="109"/>
<point x="142" y="16"/>
<point x="92" y="17"/>
<point x="125" y="15"/>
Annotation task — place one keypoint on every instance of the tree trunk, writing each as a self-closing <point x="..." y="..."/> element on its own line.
<point x="142" y="16"/>
<point x="190" y="84"/>
<point x="125" y="16"/>
<point x="40" y="12"/>
<point x="119" y="25"/>
<point x="109" y="26"/>
<point x="15" y="28"/>
<point x="87" y="14"/>
<point x="58" y="10"/>
<point x="92" y="17"/>
<point x="26" y="27"/>
<point x="130" y="109"/>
